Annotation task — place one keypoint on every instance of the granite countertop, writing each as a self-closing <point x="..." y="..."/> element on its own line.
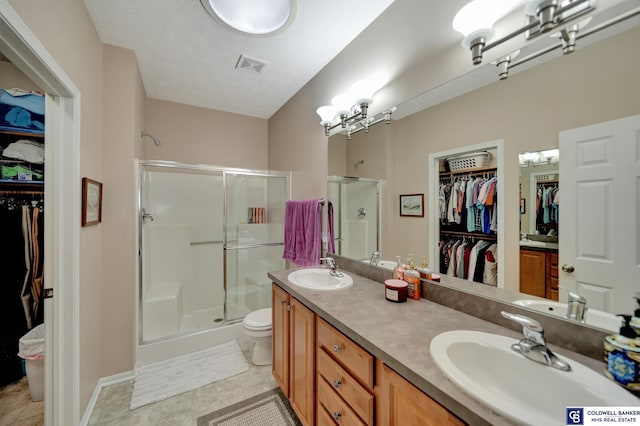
<point x="399" y="334"/>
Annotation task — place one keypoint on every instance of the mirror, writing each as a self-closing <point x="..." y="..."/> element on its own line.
<point x="538" y="176"/>
<point x="527" y="111"/>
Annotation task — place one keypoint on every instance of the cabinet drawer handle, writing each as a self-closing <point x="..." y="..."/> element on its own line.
<point x="336" y="383"/>
<point x="282" y="302"/>
<point x="337" y="416"/>
<point x="337" y="348"/>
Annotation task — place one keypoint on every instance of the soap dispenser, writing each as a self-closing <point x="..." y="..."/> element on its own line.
<point x="622" y="356"/>
<point x="398" y="271"/>
<point x="635" y="321"/>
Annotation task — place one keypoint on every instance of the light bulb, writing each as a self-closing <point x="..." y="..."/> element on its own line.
<point x="327" y="114"/>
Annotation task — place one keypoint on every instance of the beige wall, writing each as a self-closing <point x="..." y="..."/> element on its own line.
<point x="66" y="31"/>
<point x="122" y="120"/>
<point x="198" y="135"/>
<point x="527" y="111"/>
<point x="297" y="143"/>
<point x="11" y="77"/>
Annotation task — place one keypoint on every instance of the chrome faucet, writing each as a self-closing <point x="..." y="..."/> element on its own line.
<point x="534" y="345"/>
<point x="331" y="263"/>
<point x="576" y="307"/>
<point x="376" y="256"/>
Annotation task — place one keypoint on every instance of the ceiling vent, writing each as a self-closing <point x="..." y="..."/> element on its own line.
<point x="251" y="65"/>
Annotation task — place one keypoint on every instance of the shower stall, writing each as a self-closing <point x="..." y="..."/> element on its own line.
<point x="356" y="215"/>
<point x="207" y="238"/>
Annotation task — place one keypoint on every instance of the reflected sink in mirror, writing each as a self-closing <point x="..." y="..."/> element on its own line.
<point x="386" y="264"/>
<point x="593" y="317"/>
<point x="320" y="279"/>
<point x="485" y="367"/>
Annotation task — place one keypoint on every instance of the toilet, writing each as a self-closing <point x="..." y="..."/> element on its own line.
<point x="257" y="326"/>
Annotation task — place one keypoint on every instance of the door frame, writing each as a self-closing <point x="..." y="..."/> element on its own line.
<point x="62" y="221"/>
<point x="434" y="180"/>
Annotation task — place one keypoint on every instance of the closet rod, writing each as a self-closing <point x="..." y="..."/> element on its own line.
<point x="21" y="192"/>
<point x="474" y="172"/>
<point x="470" y="234"/>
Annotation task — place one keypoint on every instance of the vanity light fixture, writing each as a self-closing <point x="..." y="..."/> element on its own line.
<point x="349" y="110"/>
<point x="253" y="17"/>
<point x="475" y="22"/>
<point x="533" y="159"/>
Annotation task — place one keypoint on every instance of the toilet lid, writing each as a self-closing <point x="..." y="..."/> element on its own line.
<point x="258" y="319"/>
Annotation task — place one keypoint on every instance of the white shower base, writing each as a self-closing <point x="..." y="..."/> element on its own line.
<point x="183" y="344"/>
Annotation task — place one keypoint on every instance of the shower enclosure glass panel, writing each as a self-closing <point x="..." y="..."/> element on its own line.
<point x="357" y="215"/>
<point x="254" y="228"/>
<point x="181" y="251"/>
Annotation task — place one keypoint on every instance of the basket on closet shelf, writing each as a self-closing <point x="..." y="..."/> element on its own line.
<point x="472" y="160"/>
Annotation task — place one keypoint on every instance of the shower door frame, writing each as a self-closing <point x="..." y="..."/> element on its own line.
<point x="139" y="166"/>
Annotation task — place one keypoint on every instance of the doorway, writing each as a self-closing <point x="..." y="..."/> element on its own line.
<point x="435" y="160"/>
<point x="62" y="222"/>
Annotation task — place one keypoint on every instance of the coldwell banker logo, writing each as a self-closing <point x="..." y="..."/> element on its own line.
<point x="574" y="416"/>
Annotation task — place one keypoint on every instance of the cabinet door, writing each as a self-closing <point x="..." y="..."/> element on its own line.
<point x="280" y="337"/>
<point x="552" y="276"/>
<point x="302" y="361"/>
<point x="399" y="403"/>
<point x="532" y="272"/>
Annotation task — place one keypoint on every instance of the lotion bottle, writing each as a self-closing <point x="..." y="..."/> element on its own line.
<point x="412" y="277"/>
<point x="424" y="270"/>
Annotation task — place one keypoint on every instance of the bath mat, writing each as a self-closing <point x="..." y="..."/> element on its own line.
<point x="269" y="408"/>
<point x="162" y="380"/>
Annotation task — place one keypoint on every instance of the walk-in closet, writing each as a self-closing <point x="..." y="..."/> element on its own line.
<point x="468" y="218"/>
<point x="22" y="213"/>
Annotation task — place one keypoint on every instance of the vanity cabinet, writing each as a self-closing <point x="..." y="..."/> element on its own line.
<point x="539" y="273"/>
<point x="344" y="378"/>
<point x="332" y="381"/>
<point x="293" y="329"/>
<point x="399" y="403"/>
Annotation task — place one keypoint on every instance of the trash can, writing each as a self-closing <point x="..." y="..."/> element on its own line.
<point x="31" y="347"/>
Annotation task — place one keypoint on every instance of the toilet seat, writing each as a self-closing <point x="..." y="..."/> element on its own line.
<point x="259" y="320"/>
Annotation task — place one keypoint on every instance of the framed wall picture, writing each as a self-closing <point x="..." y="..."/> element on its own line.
<point x="91" y="202"/>
<point x="412" y="205"/>
<point x="523" y="205"/>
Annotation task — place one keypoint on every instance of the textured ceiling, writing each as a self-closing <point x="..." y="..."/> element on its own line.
<point x="186" y="56"/>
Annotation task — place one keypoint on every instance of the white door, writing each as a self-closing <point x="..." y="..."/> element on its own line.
<point x="599" y="217"/>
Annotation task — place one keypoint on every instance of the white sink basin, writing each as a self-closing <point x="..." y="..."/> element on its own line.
<point x="485" y="367"/>
<point x="320" y="279"/>
<point x="594" y="317"/>
<point x="386" y="264"/>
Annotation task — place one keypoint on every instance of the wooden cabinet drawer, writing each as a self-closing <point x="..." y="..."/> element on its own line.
<point x="323" y="417"/>
<point x="338" y="409"/>
<point x="352" y="357"/>
<point x="356" y="395"/>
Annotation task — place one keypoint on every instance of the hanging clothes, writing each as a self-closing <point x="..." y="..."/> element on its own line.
<point x="474" y="261"/>
<point x="469" y="202"/>
<point x="21" y="283"/>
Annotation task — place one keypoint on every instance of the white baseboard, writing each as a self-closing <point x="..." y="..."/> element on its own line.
<point x="102" y="382"/>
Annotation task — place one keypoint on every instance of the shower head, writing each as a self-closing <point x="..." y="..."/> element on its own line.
<point x="155" y="140"/>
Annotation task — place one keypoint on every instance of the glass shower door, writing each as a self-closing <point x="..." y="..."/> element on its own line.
<point x="356" y="215"/>
<point x="254" y="239"/>
<point x="181" y="240"/>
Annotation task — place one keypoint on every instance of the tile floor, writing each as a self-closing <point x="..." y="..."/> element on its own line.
<point x="112" y="407"/>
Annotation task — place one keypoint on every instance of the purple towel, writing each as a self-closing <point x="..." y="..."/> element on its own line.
<point x="303" y="232"/>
